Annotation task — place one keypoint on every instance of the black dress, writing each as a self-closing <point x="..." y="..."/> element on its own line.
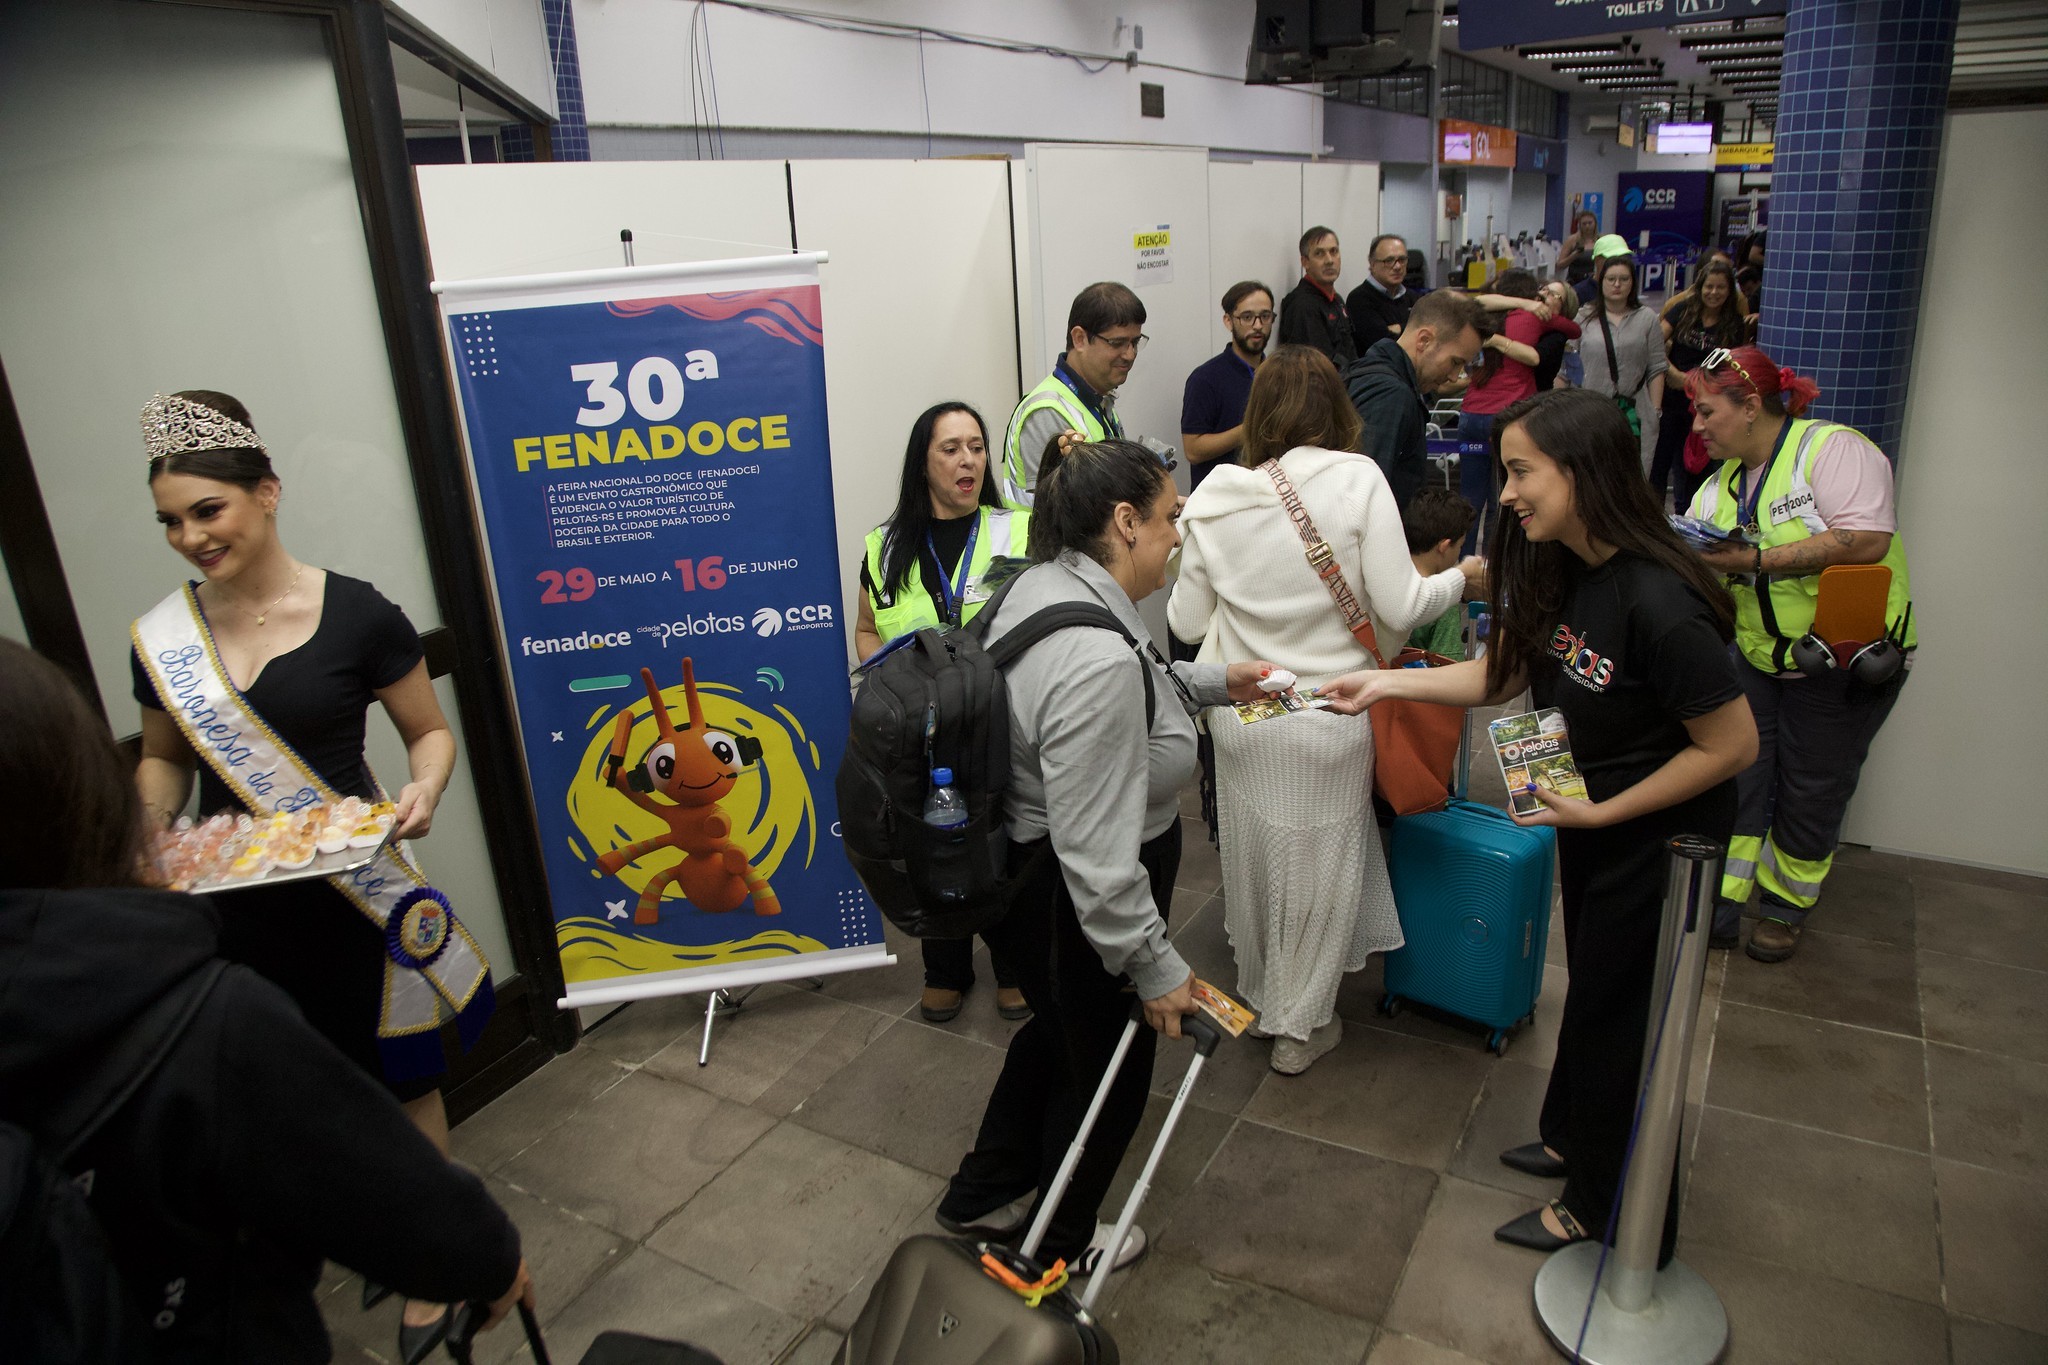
<point x="306" y="936"/>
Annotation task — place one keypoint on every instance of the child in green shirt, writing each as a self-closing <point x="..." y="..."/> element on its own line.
<point x="1435" y="521"/>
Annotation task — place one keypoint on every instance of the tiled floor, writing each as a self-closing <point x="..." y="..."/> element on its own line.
<point x="1869" y="1178"/>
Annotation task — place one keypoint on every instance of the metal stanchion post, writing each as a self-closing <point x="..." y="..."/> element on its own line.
<point x="1632" y="1313"/>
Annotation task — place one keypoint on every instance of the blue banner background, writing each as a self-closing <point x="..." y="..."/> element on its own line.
<point x="651" y="535"/>
<point x="1671" y="205"/>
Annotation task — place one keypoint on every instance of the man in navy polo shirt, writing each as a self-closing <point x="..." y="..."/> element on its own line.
<point x="1212" y="404"/>
<point x="1313" y="312"/>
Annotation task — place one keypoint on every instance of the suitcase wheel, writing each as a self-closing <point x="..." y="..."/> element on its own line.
<point x="1390" y="1005"/>
<point x="1497" y="1042"/>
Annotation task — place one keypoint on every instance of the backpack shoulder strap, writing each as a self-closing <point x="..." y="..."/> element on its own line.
<point x="1065" y="616"/>
<point x="128" y="1061"/>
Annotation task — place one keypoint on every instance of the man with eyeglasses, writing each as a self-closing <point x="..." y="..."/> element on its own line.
<point x="1212" y="402"/>
<point x="1313" y="312"/>
<point x="1104" y="335"/>
<point x="1379" y="307"/>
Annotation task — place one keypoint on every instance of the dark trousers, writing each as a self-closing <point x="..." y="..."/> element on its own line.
<point x="949" y="963"/>
<point x="1475" y="475"/>
<point x="1667" y="465"/>
<point x="1613" y="882"/>
<point x="1057" y="1059"/>
<point x="1812" y="737"/>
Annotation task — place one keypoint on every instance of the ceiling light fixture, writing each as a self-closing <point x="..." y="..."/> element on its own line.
<point x="1569" y="51"/>
<point x="1698" y="46"/>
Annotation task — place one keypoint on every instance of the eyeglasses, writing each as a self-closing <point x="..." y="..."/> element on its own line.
<point x="1132" y="344"/>
<point x="1723" y="356"/>
<point x="1390" y="260"/>
<point x="1248" y="319"/>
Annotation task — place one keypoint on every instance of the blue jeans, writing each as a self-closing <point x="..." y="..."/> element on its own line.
<point x="1475" y="473"/>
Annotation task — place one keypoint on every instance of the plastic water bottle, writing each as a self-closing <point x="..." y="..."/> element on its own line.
<point x="945" y="808"/>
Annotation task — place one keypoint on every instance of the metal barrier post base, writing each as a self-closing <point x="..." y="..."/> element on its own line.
<point x="1684" y="1323"/>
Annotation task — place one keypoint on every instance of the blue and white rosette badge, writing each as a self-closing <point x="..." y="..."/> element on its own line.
<point x="434" y="968"/>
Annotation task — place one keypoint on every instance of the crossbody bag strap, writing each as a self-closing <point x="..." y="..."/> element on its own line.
<point x="1323" y="560"/>
<point x="1613" y="366"/>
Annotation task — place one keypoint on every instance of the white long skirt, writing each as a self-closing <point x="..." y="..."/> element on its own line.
<point x="1306" y="896"/>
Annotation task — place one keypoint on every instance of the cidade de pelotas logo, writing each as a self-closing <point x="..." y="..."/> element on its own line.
<point x="569" y="644"/>
<point x="771" y="621"/>
<point x="710" y="623"/>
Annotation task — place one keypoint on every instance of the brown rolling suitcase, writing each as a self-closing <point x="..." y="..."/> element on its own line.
<point x="959" y="1301"/>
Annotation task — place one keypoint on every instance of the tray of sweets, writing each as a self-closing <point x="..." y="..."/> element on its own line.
<point x="234" y="851"/>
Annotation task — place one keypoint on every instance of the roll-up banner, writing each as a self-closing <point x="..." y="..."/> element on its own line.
<point x="653" y="476"/>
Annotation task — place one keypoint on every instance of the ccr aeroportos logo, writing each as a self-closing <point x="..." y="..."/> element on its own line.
<point x="710" y="623"/>
<point x="773" y="621"/>
<point x="569" y="644"/>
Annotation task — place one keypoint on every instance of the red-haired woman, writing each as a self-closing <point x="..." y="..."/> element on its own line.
<point x="1809" y="495"/>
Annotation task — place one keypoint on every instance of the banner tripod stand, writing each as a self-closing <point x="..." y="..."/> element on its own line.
<point x="1637" y="1314"/>
<point x="732" y="1002"/>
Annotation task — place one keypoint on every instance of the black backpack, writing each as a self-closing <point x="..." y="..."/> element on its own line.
<point x="61" y="1301"/>
<point x="937" y="699"/>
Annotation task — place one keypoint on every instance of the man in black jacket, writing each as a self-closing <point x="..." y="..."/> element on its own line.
<point x="1313" y="313"/>
<point x="1379" y="308"/>
<point x="1445" y="334"/>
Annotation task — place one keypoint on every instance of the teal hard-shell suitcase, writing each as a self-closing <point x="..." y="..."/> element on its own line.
<point x="1472" y="888"/>
<point x="1473" y="891"/>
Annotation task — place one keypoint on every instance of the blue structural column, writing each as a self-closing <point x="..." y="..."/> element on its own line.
<point x="571" y="135"/>
<point x="1862" y="99"/>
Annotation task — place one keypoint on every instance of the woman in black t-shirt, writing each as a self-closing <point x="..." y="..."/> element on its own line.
<point x="1604" y="614"/>
<point x="309" y="651"/>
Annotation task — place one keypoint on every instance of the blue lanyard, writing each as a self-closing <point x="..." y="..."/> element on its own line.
<point x="956" y="591"/>
<point x="1748" y="509"/>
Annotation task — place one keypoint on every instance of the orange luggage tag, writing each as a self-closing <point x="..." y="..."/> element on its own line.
<point x="1033" y="1292"/>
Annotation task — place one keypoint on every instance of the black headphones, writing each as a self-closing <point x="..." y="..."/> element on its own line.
<point x="1874" y="665"/>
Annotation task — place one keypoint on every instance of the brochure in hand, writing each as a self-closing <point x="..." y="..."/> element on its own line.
<point x="1704" y="535"/>
<point x="1534" y="748"/>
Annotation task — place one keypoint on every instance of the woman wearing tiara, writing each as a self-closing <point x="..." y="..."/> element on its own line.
<point x="258" y="677"/>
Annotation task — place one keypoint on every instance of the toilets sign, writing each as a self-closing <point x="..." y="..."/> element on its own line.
<point x="1504" y="23"/>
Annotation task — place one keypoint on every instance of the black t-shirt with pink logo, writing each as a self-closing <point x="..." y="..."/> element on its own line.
<point x="1634" y="655"/>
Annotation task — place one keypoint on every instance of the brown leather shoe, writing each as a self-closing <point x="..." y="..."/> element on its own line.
<point x="937" y="1006"/>
<point x="1010" y="1003"/>
<point x="1773" y="940"/>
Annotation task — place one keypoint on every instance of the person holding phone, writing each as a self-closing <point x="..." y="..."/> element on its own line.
<point x="1604" y="614"/>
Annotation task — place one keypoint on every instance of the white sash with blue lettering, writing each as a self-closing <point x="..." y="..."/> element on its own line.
<point x="430" y="959"/>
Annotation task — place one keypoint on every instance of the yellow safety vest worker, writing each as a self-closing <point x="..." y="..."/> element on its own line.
<point x="1768" y="622"/>
<point x="1051" y="392"/>
<point x="1000" y="531"/>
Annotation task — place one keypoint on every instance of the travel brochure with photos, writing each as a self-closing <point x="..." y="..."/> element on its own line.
<point x="1533" y="748"/>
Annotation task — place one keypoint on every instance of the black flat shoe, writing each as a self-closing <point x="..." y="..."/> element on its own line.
<point x="373" y="1294"/>
<point x="1528" y="1230"/>
<point x="1531" y="1159"/>
<point x="415" y="1344"/>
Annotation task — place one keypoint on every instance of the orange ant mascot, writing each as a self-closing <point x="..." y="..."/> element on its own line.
<point x="693" y="767"/>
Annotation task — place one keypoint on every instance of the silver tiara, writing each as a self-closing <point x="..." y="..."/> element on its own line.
<point x="172" y="425"/>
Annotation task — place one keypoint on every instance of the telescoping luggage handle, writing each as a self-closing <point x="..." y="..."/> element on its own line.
<point x="1206" y="1037"/>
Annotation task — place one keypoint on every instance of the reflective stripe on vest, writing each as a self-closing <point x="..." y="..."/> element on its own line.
<point x="1004" y="531"/>
<point x="1050" y="393"/>
<point x="1764" y="631"/>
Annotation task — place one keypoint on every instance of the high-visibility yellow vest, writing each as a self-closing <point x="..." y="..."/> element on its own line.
<point x="1002" y="531"/>
<point x="1051" y="392"/>
<point x="1767" y="623"/>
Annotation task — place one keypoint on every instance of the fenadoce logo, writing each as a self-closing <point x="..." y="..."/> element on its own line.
<point x="569" y="644"/>
<point x="771" y="621"/>
<point x="710" y="623"/>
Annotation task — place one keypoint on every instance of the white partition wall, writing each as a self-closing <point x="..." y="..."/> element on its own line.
<point x="531" y="219"/>
<point x="1087" y="204"/>
<point x="1955" y="773"/>
<point x="918" y="310"/>
<point x="1252" y="236"/>
<point x="1345" y="197"/>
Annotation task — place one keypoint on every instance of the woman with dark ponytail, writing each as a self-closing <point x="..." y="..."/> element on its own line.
<point x="1604" y="614"/>
<point x="1093" y="816"/>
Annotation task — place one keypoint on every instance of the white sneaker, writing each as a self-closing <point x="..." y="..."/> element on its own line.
<point x="998" y="1225"/>
<point x="1134" y="1250"/>
<point x="1292" y="1056"/>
